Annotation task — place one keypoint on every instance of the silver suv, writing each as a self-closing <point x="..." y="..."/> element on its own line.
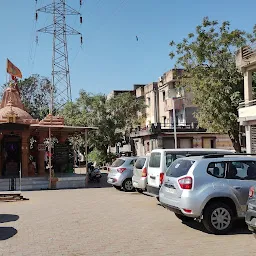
<point x="213" y="189"/>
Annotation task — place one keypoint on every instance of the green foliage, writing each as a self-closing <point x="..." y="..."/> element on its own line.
<point x="112" y="117"/>
<point x="208" y="58"/>
<point x="35" y="95"/>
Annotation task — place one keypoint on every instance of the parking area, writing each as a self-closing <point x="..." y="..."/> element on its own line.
<point x="104" y="221"/>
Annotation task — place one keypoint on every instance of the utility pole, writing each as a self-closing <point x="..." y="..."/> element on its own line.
<point x="61" y="88"/>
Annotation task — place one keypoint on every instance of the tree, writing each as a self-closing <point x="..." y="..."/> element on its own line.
<point x="35" y="95"/>
<point x="208" y="58"/>
<point x="112" y="117"/>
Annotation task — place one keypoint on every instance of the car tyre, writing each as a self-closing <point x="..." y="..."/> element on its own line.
<point x="139" y="190"/>
<point x="183" y="218"/>
<point x="218" y="218"/>
<point x="127" y="185"/>
<point x="117" y="187"/>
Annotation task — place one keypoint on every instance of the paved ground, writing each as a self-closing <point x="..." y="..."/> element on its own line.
<point x="104" y="221"/>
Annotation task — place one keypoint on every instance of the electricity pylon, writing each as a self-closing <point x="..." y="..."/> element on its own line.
<point x="61" y="88"/>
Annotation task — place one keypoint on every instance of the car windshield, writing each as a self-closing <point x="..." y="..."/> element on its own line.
<point x="179" y="168"/>
<point x="140" y="163"/>
<point x="118" y="162"/>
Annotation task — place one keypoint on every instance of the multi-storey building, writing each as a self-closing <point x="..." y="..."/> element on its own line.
<point x="169" y="106"/>
<point x="246" y="63"/>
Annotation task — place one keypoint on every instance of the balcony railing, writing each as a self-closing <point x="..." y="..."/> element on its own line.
<point x="249" y="51"/>
<point x="164" y="127"/>
<point x="247" y="104"/>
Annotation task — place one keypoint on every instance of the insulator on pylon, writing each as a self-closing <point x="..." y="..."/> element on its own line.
<point x="81" y="40"/>
<point x="81" y="2"/>
<point x="81" y="19"/>
<point x="36" y="16"/>
<point x="36" y="39"/>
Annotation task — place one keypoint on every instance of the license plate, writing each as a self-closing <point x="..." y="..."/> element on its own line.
<point x="170" y="190"/>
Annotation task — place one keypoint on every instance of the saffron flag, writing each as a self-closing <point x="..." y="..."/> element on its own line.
<point x="12" y="69"/>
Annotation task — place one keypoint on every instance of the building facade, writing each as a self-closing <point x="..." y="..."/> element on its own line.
<point x="169" y="106"/>
<point x="246" y="63"/>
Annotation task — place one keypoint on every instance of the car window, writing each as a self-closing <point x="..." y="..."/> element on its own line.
<point x="132" y="162"/>
<point x="155" y="159"/>
<point x="140" y="163"/>
<point x="242" y="170"/>
<point x="179" y="167"/>
<point x="217" y="169"/>
<point x="170" y="157"/>
<point x="118" y="162"/>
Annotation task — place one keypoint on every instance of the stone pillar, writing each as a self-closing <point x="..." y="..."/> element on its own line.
<point x="248" y="134"/>
<point x="41" y="155"/>
<point x="247" y="86"/>
<point x="25" y="153"/>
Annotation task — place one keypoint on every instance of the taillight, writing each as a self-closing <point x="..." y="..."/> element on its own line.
<point x="161" y="178"/>
<point x="144" y="172"/>
<point x="185" y="183"/>
<point x="121" y="170"/>
<point x="251" y="192"/>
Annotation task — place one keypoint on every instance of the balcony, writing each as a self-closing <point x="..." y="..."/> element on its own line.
<point x="170" y="104"/>
<point x="162" y="128"/>
<point x="246" y="56"/>
<point x="247" y="112"/>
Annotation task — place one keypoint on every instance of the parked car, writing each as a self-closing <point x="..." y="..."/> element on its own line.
<point x="213" y="189"/>
<point x="121" y="172"/>
<point x="250" y="217"/>
<point x="139" y="178"/>
<point x="161" y="159"/>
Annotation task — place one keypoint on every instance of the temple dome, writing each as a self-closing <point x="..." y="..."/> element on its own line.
<point x="12" y="109"/>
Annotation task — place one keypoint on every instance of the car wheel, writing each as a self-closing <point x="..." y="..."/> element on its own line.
<point x="117" y="187"/>
<point x="183" y="218"/>
<point x="218" y="218"/>
<point x="127" y="185"/>
<point x="139" y="190"/>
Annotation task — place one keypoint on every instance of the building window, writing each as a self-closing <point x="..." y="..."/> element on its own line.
<point x="148" y="100"/>
<point x="163" y="95"/>
<point x="164" y="118"/>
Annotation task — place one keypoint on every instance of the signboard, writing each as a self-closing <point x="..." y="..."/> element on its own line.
<point x="41" y="147"/>
<point x="61" y="153"/>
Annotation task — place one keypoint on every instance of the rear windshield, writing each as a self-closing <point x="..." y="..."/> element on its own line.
<point x="179" y="168"/>
<point x="118" y="162"/>
<point x="140" y="163"/>
<point x="155" y="159"/>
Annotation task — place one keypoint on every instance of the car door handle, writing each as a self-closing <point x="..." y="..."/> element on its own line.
<point x="237" y="187"/>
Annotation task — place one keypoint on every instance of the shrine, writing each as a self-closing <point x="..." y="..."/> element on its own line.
<point x="23" y="140"/>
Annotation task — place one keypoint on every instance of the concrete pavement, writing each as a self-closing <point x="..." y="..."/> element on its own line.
<point x="104" y="221"/>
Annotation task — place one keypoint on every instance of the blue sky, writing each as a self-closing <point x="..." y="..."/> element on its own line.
<point x="111" y="58"/>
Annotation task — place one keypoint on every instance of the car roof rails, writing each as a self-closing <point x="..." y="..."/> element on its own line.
<point x="228" y="154"/>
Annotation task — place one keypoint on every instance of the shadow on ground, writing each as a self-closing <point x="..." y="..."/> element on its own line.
<point x="239" y="227"/>
<point x="7" y="232"/>
<point x="8" y="218"/>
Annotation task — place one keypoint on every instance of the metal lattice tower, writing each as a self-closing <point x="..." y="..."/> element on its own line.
<point x="61" y="88"/>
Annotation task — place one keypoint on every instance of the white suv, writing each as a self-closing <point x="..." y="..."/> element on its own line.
<point x="213" y="189"/>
